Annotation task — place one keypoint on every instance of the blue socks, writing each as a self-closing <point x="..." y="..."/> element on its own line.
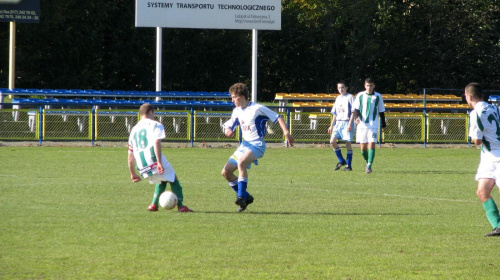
<point x="234" y="185"/>
<point x="242" y="187"/>
<point x="349" y="158"/>
<point x="338" y="152"/>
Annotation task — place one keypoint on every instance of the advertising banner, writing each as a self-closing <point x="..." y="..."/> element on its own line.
<point x="218" y="14"/>
<point x="25" y="11"/>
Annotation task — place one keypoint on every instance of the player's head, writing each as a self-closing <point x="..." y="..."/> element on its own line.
<point x="342" y="87"/>
<point x="239" y="89"/>
<point x="146" y="109"/>
<point x="473" y="92"/>
<point x="369" y="85"/>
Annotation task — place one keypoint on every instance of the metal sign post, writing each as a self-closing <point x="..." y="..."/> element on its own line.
<point x="13" y="11"/>
<point x="220" y="14"/>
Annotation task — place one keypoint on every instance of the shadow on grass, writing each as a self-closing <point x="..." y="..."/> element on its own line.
<point x="437" y="172"/>
<point x="250" y="212"/>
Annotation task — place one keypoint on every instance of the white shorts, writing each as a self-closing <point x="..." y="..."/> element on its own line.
<point x="258" y="148"/>
<point x="168" y="173"/>
<point x="340" y="131"/>
<point x="366" y="135"/>
<point x="489" y="169"/>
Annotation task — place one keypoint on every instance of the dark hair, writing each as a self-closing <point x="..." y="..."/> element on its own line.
<point x="342" y="82"/>
<point x="145" y="109"/>
<point x="239" y="89"/>
<point x="369" y="81"/>
<point x="474" y="89"/>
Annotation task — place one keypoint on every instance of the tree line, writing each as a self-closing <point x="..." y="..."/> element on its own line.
<point x="405" y="45"/>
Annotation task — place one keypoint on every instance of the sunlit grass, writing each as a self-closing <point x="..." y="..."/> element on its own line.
<point x="73" y="213"/>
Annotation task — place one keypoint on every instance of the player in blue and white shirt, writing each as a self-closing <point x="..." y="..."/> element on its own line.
<point x="368" y="106"/>
<point x="341" y="111"/>
<point x="485" y="131"/>
<point x="252" y="119"/>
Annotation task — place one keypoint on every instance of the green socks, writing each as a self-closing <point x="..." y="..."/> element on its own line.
<point x="365" y="155"/>
<point x="177" y="189"/>
<point x="371" y="156"/>
<point x="159" y="189"/>
<point x="368" y="155"/>
<point x="492" y="213"/>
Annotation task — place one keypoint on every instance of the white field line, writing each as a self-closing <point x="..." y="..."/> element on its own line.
<point x="421" y="197"/>
<point x="392" y="195"/>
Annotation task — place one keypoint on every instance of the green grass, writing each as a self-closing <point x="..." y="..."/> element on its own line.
<point x="73" y="213"/>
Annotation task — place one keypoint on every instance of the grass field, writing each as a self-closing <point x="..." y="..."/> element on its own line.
<point x="73" y="213"/>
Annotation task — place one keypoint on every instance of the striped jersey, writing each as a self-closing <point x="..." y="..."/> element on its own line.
<point x="369" y="106"/>
<point x="343" y="107"/>
<point x="252" y="120"/>
<point x="141" y="143"/>
<point x="485" y="126"/>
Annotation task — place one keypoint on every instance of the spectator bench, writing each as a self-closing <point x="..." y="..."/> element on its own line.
<point x="321" y="99"/>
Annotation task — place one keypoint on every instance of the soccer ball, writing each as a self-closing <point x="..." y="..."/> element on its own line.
<point x="168" y="200"/>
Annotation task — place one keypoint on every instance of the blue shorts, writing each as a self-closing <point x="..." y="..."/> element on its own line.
<point x="258" y="148"/>
<point x="340" y="131"/>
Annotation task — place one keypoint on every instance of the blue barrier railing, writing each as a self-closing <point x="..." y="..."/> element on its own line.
<point x="90" y="93"/>
<point x="117" y="102"/>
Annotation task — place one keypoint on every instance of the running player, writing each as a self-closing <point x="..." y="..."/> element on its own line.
<point x="144" y="151"/>
<point x="368" y="106"/>
<point x="252" y="118"/>
<point x="484" y="128"/>
<point x="341" y="112"/>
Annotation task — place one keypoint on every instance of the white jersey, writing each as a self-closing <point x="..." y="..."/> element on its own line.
<point x="252" y="120"/>
<point x="485" y="126"/>
<point x="141" y="143"/>
<point x="369" y="106"/>
<point x="342" y="108"/>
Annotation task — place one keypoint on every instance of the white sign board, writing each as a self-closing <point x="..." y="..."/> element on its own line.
<point x="215" y="14"/>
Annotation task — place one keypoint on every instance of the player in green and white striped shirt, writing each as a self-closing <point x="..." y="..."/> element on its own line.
<point x="484" y="130"/>
<point x="369" y="107"/>
<point x="144" y="152"/>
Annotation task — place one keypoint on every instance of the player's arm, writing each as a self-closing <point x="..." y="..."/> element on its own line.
<point x="382" y="119"/>
<point x="157" y="149"/>
<point x="286" y="132"/>
<point x="229" y="126"/>
<point x="334" y="119"/>
<point x="475" y="133"/>
<point x="131" y="168"/>
<point x="477" y="141"/>
<point x="354" y="115"/>
<point x="229" y="132"/>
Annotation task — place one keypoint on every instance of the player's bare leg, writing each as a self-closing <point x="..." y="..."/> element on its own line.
<point x="228" y="174"/>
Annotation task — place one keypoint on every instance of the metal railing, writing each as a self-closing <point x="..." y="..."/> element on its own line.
<point x="191" y="124"/>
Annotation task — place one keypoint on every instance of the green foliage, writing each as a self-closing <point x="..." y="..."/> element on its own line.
<point x="74" y="213"/>
<point x="404" y="45"/>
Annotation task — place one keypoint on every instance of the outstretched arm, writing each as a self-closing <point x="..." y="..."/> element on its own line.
<point x="286" y="132"/>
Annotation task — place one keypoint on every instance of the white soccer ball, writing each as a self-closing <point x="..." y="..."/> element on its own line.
<point x="168" y="200"/>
